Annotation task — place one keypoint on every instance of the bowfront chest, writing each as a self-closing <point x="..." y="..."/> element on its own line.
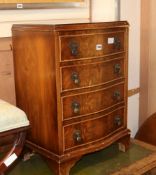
<point x="71" y="80"/>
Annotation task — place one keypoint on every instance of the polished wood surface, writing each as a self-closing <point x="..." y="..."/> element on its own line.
<point x="89" y="132"/>
<point x="89" y="41"/>
<point x="147" y="63"/>
<point x="144" y="60"/>
<point x="35" y="86"/>
<point x="93" y="102"/>
<point x="64" y="107"/>
<point x="92" y="74"/>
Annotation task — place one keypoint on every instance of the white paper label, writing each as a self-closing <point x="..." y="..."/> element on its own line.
<point x="19" y="6"/>
<point x="110" y="40"/>
<point x="10" y="159"/>
<point x="98" y="46"/>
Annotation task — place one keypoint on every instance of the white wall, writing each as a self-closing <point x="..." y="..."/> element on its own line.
<point x="130" y="11"/>
<point x="9" y="17"/>
<point x="103" y="10"/>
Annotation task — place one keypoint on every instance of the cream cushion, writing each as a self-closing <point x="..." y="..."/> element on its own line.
<point x="11" y="117"/>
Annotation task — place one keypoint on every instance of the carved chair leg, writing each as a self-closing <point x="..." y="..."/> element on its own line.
<point x="13" y="153"/>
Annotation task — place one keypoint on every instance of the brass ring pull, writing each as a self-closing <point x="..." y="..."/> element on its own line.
<point x="74" y="46"/>
<point x="117" y="68"/>
<point x="77" y="136"/>
<point x="75" y="78"/>
<point x="75" y="107"/>
<point x="117" y="95"/>
<point x="118" y="121"/>
<point x="117" y="43"/>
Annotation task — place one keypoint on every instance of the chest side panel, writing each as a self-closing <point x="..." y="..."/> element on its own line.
<point x="36" y="84"/>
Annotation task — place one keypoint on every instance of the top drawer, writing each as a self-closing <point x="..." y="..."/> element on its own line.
<point x="90" y="45"/>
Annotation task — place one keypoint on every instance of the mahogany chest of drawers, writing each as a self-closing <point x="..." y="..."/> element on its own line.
<point x="71" y="80"/>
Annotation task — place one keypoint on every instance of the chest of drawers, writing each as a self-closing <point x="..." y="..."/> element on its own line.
<point x="71" y="80"/>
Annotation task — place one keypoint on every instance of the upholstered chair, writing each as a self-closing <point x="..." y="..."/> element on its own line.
<point x="13" y="127"/>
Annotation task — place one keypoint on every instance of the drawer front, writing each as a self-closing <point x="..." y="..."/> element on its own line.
<point x="77" y="105"/>
<point x="91" y="74"/>
<point x="93" y="130"/>
<point x="85" y="46"/>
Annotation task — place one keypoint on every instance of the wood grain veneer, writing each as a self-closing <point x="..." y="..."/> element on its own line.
<point x="72" y="115"/>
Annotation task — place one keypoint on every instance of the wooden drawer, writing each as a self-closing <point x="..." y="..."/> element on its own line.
<point x="92" y="102"/>
<point x="91" y="45"/>
<point x="94" y="129"/>
<point x="87" y="75"/>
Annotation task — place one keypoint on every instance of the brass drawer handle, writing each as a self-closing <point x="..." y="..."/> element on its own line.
<point x="117" y="43"/>
<point x="117" y="95"/>
<point x="75" y="107"/>
<point x="75" y="78"/>
<point x="117" y="68"/>
<point x="77" y="136"/>
<point x="118" y="121"/>
<point x="74" y="46"/>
